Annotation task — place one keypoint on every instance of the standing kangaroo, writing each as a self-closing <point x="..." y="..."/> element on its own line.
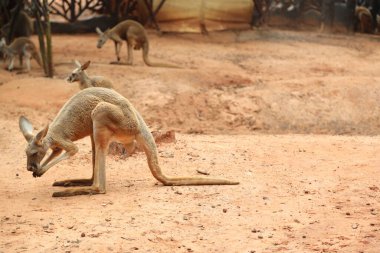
<point x="104" y="115"/>
<point x="135" y="36"/>
<point x="22" y="47"/>
<point x="80" y="75"/>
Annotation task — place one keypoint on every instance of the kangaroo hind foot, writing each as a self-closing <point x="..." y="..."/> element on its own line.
<point x="89" y="190"/>
<point x="74" y="182"/>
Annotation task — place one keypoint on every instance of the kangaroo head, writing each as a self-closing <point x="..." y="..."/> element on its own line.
<point x="103" y="37"/>
<point x="36" y="149"/>
<point x="78" y="72"/>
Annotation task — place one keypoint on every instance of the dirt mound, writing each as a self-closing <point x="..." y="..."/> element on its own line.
<point x="231" y="82"/>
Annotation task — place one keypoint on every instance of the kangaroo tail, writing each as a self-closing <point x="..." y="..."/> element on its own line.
<point x="37" y="57"/>
<point x="146" y="140"/>
<point x="145" y="52"/>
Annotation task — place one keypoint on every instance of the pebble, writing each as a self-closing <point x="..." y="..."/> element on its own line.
<point x="355" y="226"/>
<point x="82" y="235"/>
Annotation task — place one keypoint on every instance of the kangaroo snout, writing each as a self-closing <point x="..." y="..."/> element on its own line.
<point x="32" y="167"/>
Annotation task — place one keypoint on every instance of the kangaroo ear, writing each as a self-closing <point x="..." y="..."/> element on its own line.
<point x="26" y="128"/>
<point x="2" y="41"/>
<point x="85" y="66"/>
<point x="77" y="63"/>
<point x="40" y="136"/>
<point x="97" y="29"/>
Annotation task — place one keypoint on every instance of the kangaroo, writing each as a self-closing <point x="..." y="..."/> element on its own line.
<point x="80" y="75"/>
<point x="364" y="19"/>
<point x="104" y="115"/>
<point x="135" y="36"/>
<point x="22" y="47"/>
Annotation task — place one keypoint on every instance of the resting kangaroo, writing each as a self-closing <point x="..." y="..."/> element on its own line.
<point x="22" y="47"/>
<point x="104" y="115"/>
<point x="135" y="36"/>
<point x="80" y="75"/>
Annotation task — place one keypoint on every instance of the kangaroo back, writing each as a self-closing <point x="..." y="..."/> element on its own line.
<point x="74" y="119"/>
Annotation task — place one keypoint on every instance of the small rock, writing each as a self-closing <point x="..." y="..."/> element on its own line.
<point x="260" y="237"/>
<point x="166" y="154"/>
<point x="224" y="210"/>
<point x="348" y="213"/>
<point x="83" y="234"/>
<point x="355" y="226"/>
<point x="203" y="172"/>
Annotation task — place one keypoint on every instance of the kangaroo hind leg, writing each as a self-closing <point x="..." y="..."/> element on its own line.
<point x="80" y="182"/>
<point x="105" y="120"/>
<point x="109" y="121"/>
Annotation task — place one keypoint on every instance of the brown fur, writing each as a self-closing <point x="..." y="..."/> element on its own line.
<point x="136" y="37"/>
<point x="104" y="115"/>
<point x="22" y="47"/>
<point x="80" y="75"/>
<point x="364" y="18"/>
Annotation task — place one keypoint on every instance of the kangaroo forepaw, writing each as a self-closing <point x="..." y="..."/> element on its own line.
<point x="74" y="182"/>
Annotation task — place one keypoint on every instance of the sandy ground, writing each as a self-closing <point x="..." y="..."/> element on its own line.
<point x="248" y="106"/>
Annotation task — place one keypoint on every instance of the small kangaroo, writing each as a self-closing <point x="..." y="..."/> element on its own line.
<point x="22" y="47"/>
<point x="135" y="36"/>
<point x="80" y="75"/>
<point x="104" y="115"/>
